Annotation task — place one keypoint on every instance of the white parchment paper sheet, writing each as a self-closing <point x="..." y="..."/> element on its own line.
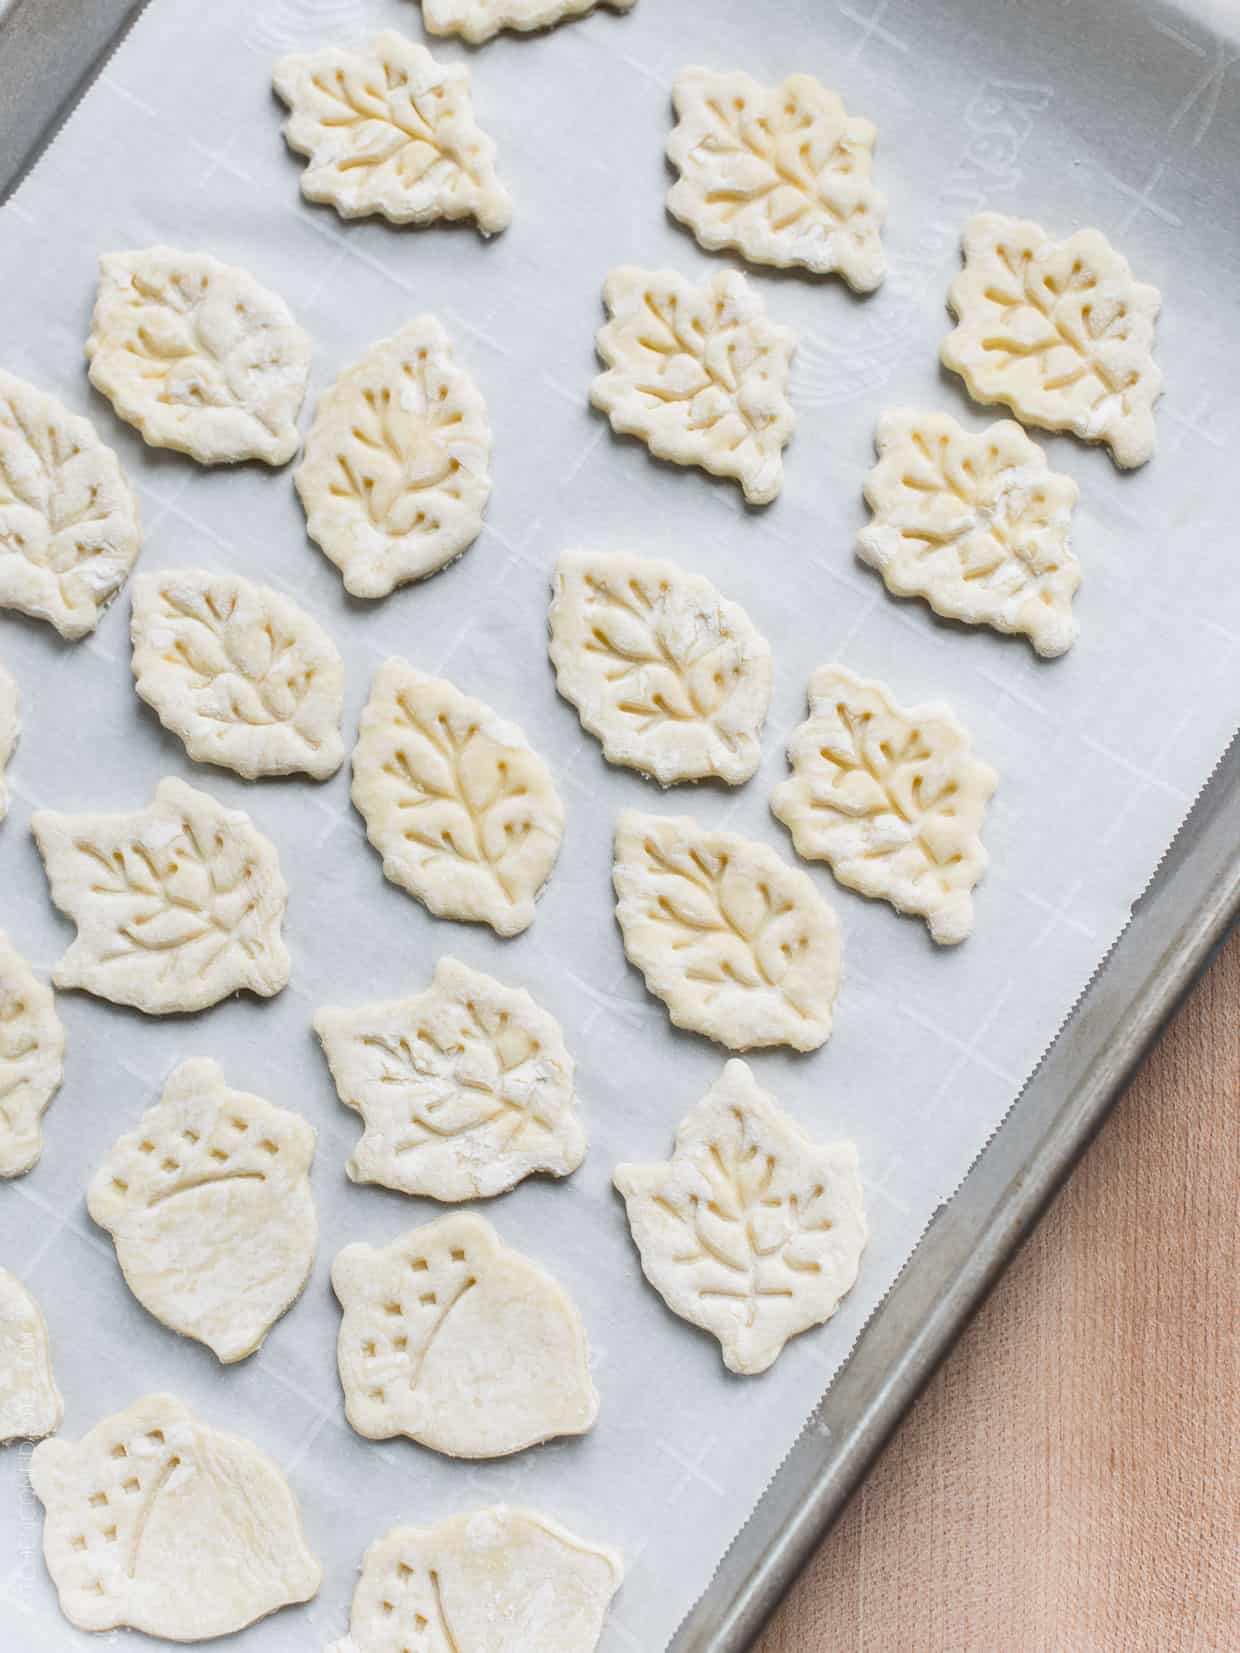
<point x="1099" y="113"/>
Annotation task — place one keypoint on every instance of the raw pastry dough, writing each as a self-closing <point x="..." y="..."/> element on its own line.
<point x="751" y="1229"/>
<point x="738" y="945"/>
<point x="32" y="1059"/>
<point x="465" y="815"/>
<point x="891" y="796"/>
<point x="782" y="173"/>
<point x="674" y="680"/>
<point x="198" y="356"/>
<point x="10" y="728"/>
<point x="69" y="528"/>
<point x="30" y="1403"/>
<point x="464" y="1089"/>
<point x="478" y="20"/>
<point x="243" y="676"/>
<point x="977" y="525"/>
<point x="698" y="373"/>
<point x="461" y="1344"/>
<point x="208" y="1204"/>
<point x="1058" y="331"/>
<point x="157" y="1522"/>
<point x="391" y="131"/>
<point x="499" y="1580"/>
<point x="396" y="470"/>
<point x="176" y="905"/>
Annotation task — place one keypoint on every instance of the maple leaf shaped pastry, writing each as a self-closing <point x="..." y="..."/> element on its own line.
<point x="32" y="1059"/>
<point x="30" y="1403"/>
<point x="479" y="20"/>
<point x="751" y="1230"/>
<point x="388" y="130"/>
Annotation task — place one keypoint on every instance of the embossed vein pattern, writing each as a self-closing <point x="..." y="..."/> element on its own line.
<point x="32" y="1059"/>
<point x="479" y="20"/>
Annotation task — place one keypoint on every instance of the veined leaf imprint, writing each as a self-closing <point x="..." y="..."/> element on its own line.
<point x="1058" y="331"/>
<point x="30" y="1403"/>
<point x="750" y="1230"/>
<point x="479" y="20"/>
<point x="977" y="525"/>
<point x="782" y="173"/>
<point x="388" y="130"/>
<point x="32" y="1059"/>
<point x="10" y="728"/>
<point x="892" y="797"/>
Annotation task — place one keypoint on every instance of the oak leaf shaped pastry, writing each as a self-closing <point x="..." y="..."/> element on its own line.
<point x="243" y="676"/>
<point x="10" y="728"/>
<point x="698" y="373"/>
<point x="978" y="525"/>
<point x="155" y="1521"/>
<point x="781" y="173"/>
<point x="32" y="1059"/>
<point x="738" y="945"/>
<point x="452" y="1339"/>
<point x="198" y="356"/>
<point x="1059" y="331"/>
<point x="396" y="473"/>
<point x="209" y="1207"/>
<point x="388" y="130"/>
<point x="464" y="813"/>
<point x="464" y="1089"/>
<point x="176" y="905"/>
<point x="751" y="1230"/>
<point x="892" y="797"/>
<point x="505" y="1579"/>
<point x="673" y="679"/>
<point x="69" y="521"/>
<point x="30" y="1403"/>
<point x="478" y="20"/>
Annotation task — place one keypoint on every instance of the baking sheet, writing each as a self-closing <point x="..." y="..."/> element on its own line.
<point x="1099" y="753"/>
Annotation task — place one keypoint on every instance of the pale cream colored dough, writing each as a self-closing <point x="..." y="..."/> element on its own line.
<point x="30" y="1403"/>
<point x="32" y="1060"/>
<point x="479" y="20"/>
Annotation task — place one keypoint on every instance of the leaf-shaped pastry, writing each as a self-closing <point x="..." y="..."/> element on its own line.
<point x="198" y="356"/>
<point x="32" y="1059"/>
<point x="977" y="525"/>
<point x="479" y="20"/>
<point x="246" y="678"/>
<point x="465" y="1089"/>
<point x="698" y="373"/>
<point x="396" y="470"/>
<point x="782" y="173"/>
<point x="157" y="1522"/>
<point x="738" y="945"/>
<point x="69" y="528"/>
<point x="208" y="1204"/>
<point x="751" y="1229"/>
<point x="464" y="814"/>
<point x="176" y="905"/>
<point x="389" y="130"/>
<point x="1058" y="331"/>
<point x="503" y="1580"/>
<point x="891" y="796"/>
<point x="10" y="728"/>
<point x="30" y="1403"/>
<point x="452" y="1339"/>
<point x="674" y="680"/>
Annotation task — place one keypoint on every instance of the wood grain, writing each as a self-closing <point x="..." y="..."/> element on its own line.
<point x="1070" y="1480"/>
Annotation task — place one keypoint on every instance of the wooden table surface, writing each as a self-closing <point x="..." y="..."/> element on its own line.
<point x="1070" y="1480"/>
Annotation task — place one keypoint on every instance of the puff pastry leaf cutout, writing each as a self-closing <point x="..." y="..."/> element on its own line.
<point x="892" y="797"/>
<point x="176" y="905"/>
<point x="198" y="356"/>
<point x="32" y="1059"/>
<point x="158" y="1522"/>
<point x="781" y="173"/>
<point x="479" y="20"/>
<point x="208" y="1204"/>
<point x="674" y="680"/>
<point x="452" y="1339"/>
<point x="30" y="1403"/>
<point x="465" y="815"/>
<point x="698" y="373"/>
<point x="242" y="675"/>
<point x="69" y="527"/>
<point x="464" y="1089"/>
<point x="977" y="525"/>
<point x="503" y="1580"/>
<point x="751" y="1230"/>
<point x="396" y="473"/>
<point x="1059" y="331"/>
<point x="738" y="945"/>
<point x="388" y="130"/>
<point x="10" y="728"/>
